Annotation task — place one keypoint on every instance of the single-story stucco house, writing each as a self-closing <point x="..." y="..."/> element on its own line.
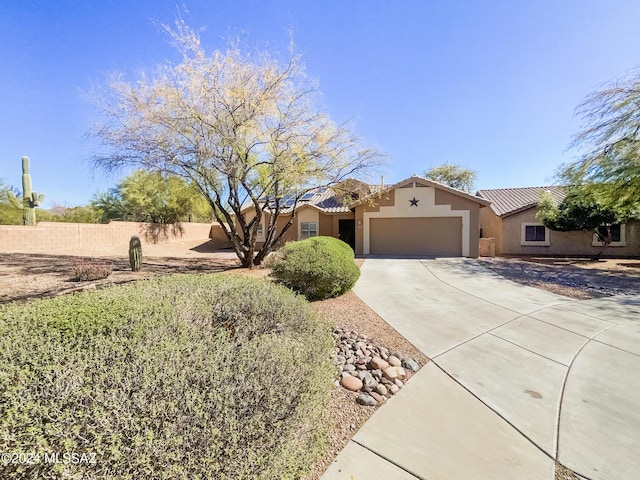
<point x="511" y="221"/>
<point x="414" y="217"/>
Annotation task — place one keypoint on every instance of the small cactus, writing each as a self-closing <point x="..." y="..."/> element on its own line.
<point x="135" y="254"/>
<point x="30" y="199"/>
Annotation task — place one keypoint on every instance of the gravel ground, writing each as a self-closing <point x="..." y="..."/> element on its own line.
<point x="576" y="279"/>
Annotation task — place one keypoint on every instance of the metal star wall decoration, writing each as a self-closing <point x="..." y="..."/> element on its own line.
<point x="414" y="202"/>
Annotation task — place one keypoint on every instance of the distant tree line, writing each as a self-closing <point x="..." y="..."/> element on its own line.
<point x="142" y="196"/>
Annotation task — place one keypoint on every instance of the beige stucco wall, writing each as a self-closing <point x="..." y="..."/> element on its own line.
<point x="218" y="237"/>
<point x="387" y="199"/>
<point x="491" y="226"/>
<point x="290" y="235"/>
<point x="327" y="224"/>
<point x="487" y="247"/>
<point x="460" y="204"/>
<point x="94" y="239"/>
<point x="306" y="214"/>
<point x="562" y="243"/>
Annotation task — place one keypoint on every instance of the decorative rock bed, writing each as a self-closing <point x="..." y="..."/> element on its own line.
<point x="373" y="371"/>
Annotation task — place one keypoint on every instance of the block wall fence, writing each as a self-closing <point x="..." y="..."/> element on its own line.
<point x="94" y="239"/>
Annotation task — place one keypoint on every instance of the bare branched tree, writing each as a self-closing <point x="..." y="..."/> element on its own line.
<point x="243" y="128"/>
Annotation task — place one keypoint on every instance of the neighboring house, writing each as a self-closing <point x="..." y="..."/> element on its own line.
<point x="511" y="221"/>
<point x="414" y="217"/>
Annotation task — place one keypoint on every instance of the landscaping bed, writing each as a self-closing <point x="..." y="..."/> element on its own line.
<point x="24" y="277"/>
<point x="185" y="376"/>
<point x="576" y="278"/>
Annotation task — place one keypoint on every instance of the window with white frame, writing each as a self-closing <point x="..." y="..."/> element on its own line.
<point x="534" y="234"/>
<point x="617" y="236"/>
<point x="308" y="229"/>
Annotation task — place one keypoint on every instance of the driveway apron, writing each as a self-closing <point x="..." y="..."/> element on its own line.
<point x="519" y="377"/>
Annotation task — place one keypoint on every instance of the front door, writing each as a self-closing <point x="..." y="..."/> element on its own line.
<point x="347" y="232"/>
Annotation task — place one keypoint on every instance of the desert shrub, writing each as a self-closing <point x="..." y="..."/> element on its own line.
<point x="318" y="267"/>
<point x="190" y="376"/>
<point x="87" y="269"/>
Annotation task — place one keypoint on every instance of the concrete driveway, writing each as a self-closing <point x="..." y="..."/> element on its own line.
<point x="519" y="378"/>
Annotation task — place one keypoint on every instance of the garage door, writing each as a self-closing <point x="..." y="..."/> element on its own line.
<point x="437" y="236"/>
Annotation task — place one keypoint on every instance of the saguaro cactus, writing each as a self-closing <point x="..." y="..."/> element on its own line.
<point x="135" y="253"/>
<point x="30" y="199"/>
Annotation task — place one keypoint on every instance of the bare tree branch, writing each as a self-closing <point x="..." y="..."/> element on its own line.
<point x="608" y="164"/>
<point x="242" y="127"/>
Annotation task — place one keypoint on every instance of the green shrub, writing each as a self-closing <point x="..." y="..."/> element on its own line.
<point x="318" y="267"/>
<point x="190" y="376"/>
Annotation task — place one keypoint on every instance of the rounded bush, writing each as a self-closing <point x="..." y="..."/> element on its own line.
<point x="318" y="267"/>
<point x="190" y="376"/>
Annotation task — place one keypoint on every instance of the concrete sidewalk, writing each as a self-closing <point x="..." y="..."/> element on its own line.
<point x="519" y="377"/>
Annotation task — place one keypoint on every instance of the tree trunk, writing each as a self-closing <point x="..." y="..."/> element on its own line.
<point x="605" y="240"/>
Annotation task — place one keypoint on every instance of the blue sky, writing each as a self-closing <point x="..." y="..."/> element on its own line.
<point x="491" y="85"/>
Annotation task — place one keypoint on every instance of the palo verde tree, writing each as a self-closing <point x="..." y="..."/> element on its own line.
<point x="608" y="165"/>
<point x="455" y="176"/>
<point x="150" y="196"/>
<point x="9" y="215"/>
<point x="580" y="210"/>
<point x="242" y="127"/>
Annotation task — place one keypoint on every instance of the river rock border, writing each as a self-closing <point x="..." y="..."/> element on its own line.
<point x="373" y="371"/>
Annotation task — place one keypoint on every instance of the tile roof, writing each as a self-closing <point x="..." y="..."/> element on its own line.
<point x="327" y="201"/>
<point x="508" y="201"/>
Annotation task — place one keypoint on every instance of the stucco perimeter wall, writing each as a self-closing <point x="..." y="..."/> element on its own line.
<point x="562" y="243"/>
<point x="89" y="238"/>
